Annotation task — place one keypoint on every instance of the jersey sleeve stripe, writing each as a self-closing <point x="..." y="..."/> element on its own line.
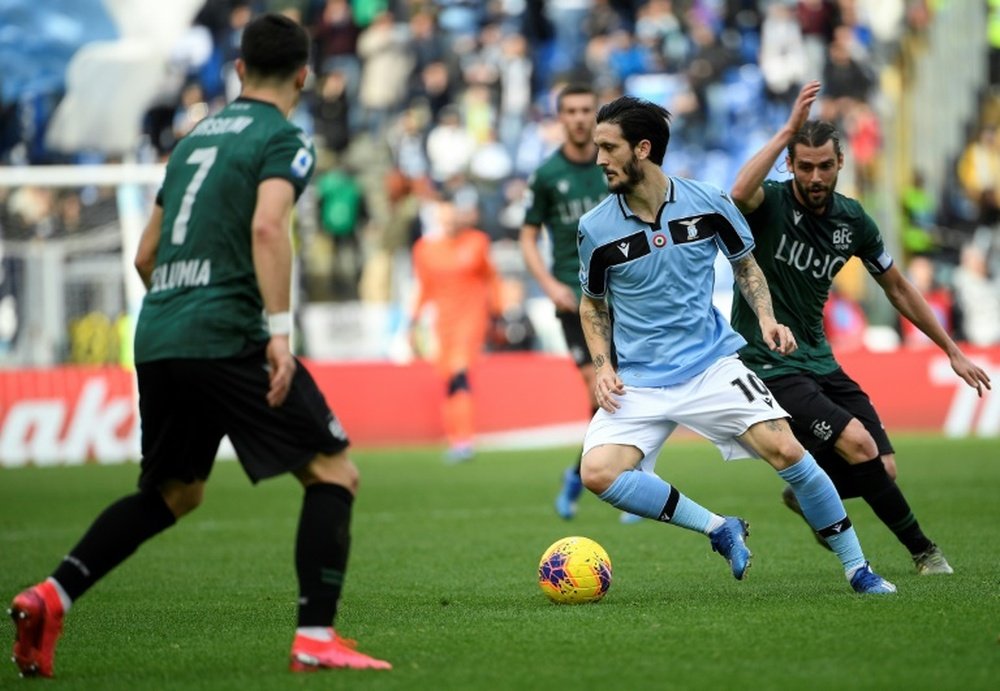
<point x="612" y="254"/>
<point x="732" y="240"/>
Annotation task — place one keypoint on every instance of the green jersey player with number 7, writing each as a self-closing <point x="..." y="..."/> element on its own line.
<point x="216" y="258"/>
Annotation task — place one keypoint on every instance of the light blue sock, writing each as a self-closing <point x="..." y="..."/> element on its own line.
<point x="648" y="495"/>
<point x="822" y="507"/>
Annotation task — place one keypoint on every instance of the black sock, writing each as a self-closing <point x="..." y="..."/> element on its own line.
<point x="321" y="548"/>
<point x="111" y="539"/>
<point x="887" y="501"/>
<point x="841" y="473"/>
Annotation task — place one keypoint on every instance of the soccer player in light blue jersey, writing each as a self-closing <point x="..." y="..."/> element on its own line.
<point x="647" y="252"/>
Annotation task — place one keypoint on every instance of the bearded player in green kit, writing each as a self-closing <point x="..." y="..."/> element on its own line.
<point x="568" y="184"/>
<point x="215" y="257"/>
<point x="805" y="231"/>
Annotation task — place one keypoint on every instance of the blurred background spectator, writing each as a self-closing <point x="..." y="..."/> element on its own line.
<point x="413" y="100"/>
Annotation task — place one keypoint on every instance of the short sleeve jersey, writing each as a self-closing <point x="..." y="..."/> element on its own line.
<point x="658" y="280"/>
<point x="800" y="252"/>
<point x="457" y="275"/>
<point x="204" y="301"/>
<point x="560" y="192"/>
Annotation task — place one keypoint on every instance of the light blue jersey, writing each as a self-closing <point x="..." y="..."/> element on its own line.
<point x="658" y="280"/>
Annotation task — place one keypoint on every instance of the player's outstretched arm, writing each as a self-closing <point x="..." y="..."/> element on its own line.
<point x="753" y="287"/>
<point x="596" y="322"/>
<point x="747" y="192"/>
<point x="911" y="304"/>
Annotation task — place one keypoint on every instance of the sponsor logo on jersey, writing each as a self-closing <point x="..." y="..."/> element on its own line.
<point x="623" y="246"/>
<point x="807" y="259"/>
<point x="796" y="216"/>
<point x="570" y="210"/>
<point x="563" y="186"/>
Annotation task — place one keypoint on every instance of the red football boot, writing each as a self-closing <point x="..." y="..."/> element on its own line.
<point x="38" y="617"/>
<point x="309" y="655"/>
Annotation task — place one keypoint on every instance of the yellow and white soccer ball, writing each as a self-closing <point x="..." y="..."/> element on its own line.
<point x="574" y="570"/>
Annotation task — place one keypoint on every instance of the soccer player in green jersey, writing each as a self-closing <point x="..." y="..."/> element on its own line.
<point x="567" y="185"/>
<point x="215" y="256"/>
<point x="805" y="232"/>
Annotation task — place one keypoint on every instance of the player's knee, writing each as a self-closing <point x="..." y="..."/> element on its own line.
<point x="458" y="382"/>
<point x="889" y="461"/>
<point x="599" y="469"/>
<point x="336" y="469"/>
<point x="595" y="477"/>
<point x="785" y="452"/>
<point x="182" y="498"/>
<point x="855" y="444"/>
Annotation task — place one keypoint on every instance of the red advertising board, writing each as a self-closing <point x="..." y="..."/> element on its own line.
<point x="69" y="415"/>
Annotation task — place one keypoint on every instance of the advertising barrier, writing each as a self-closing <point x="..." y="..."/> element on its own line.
<point x="73" y="415"/>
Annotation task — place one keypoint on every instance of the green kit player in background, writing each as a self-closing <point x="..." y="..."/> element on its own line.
<point x="567" y="185"/>
<point x="215" y="256"/>
<point x="805" y="232"/>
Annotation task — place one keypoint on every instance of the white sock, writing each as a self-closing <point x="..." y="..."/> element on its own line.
<point x="714" y="523"/>
<point x="65" y="599"/>
<point x="316" y="633"/>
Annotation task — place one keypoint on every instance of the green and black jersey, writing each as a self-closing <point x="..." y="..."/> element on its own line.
<point x="204" y="301"/>
<point x="562" y="191"/>
<point x="800" y="253"/>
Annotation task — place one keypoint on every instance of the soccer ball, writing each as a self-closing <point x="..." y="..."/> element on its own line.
<point x="574" y="570"/>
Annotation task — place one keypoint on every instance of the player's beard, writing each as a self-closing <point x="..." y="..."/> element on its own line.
<point x="818" y="202"/>
<point x="629" y="178"/>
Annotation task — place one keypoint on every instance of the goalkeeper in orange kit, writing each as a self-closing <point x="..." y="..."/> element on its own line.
<point x="457" y="277"/>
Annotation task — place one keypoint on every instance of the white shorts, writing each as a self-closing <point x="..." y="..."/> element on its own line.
<point x="720" y="404"/>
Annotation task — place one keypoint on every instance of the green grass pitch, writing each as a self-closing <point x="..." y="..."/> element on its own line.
<point x="442" y="582"/>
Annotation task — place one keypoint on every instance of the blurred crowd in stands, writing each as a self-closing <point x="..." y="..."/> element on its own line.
<point x="415" y="99"/>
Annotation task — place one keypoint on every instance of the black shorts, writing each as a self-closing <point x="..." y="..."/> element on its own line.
<point x="821" y="407"/>
<point x="575" y="341"/>
<point x="188" y="405"/>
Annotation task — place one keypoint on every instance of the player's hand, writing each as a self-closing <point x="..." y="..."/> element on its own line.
<point x="607" y="388"/>
<point x="778" y="337"/>
<point x="563" y="297"/>
<point x="973" y="375"/>
<point x="281" y="368"/>
<point x="800" y="110"/>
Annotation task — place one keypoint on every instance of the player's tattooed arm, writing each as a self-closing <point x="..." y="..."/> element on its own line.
<point x="596" y="322"/>
<point x="753" y="286"/>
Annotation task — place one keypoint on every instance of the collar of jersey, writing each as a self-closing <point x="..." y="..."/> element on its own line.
<point x="669" y="197"/>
